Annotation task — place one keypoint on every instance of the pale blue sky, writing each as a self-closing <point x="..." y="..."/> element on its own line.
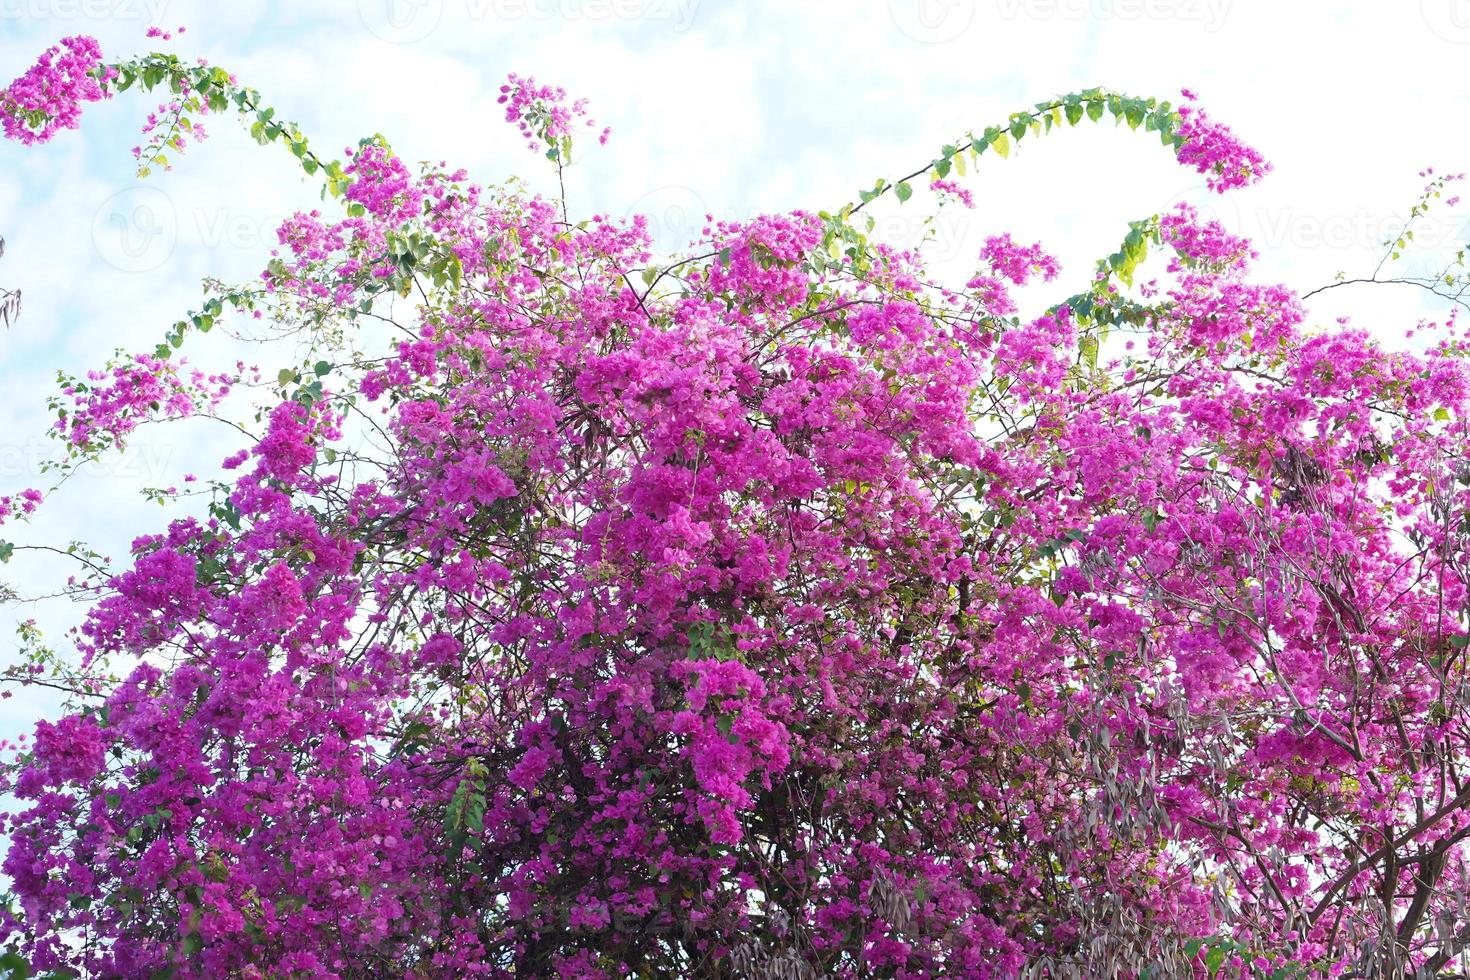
<point x="733" y="107"/>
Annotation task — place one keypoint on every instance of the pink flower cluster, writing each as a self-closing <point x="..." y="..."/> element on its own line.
<point x="1018" y="263"/>
<point x="164" y="132"/>
<point x="49" y="96"/>
<point x="102" y="410"/>
<point x="1213" y="150"/>
<point x="21" y="504"/>
<point x="950" y="188"/>
<point x="383" y="186"/>
<point x="70" y="751"/>
<point x="1207" y="242"/>
<point x="543" y="114"/>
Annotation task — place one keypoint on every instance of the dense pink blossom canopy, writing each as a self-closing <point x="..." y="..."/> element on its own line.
<point x="785" y="615"/>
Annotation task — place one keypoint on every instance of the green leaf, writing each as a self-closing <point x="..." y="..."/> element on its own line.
<point x="1095" y="110"/>
<point x="1087" y="351"/>
<point x="475" y="813"/>
<point x="15" y="966"/>
<point x="6" y="550"/>
<point x="454" y="813"/>
<point x="903" y="190"/>
<point x="1002" y="145"/>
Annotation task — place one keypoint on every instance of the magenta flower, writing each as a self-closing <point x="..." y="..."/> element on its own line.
<point x="49" y="96"/>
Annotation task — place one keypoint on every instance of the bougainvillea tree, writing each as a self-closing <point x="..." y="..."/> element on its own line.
<point x="773" y="611"/>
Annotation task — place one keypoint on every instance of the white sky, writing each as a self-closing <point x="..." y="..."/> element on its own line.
<point x="731" y="107"/>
